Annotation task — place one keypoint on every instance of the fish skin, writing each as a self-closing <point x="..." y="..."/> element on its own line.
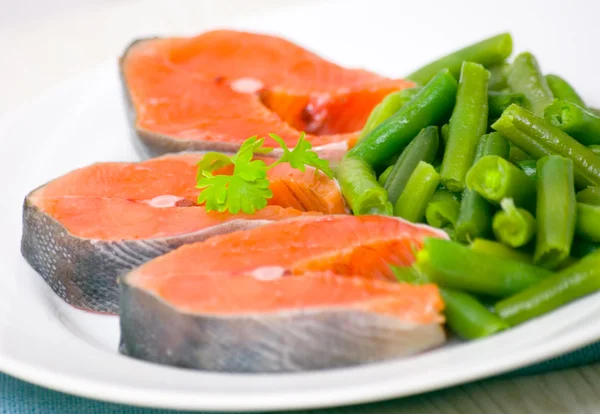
<point x="361" y="315"/>
<point x="150" y="143"/>
<point x="293" y="341"/>
<point x="84" y="272"/>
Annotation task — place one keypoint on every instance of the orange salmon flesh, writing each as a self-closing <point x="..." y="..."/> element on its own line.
<point x="156" y="198"/>
<point x="224" y="86"/>
<point x="298" y="263"/>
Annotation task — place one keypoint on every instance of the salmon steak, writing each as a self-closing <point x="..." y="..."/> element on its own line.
<point x="306" y="293"/>
<point x="84" y="229"/>
<point x="212" y="91"/>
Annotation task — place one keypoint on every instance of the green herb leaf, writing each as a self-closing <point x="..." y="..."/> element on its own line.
<point x="302" y="155"/>
<point x="247" y="189"/>
<point x="409" y="274"/>
<point x="233" y="192"/>
<point x="251" y="146"/>
<point x="211" y="162"/>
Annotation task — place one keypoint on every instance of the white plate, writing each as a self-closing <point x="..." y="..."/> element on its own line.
<point x="44" y="341"/>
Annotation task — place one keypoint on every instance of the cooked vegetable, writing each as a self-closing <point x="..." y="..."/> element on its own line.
<point x="455" y="266"/>
<point x="575" y="121"/>
<point x="488" y="52"/>
<point x="571" y="283"/>
<point x="475" y="214"/>
<point x="360" y="187"/>
<point x="582" y="247"/>
<point x="467" y="317"/>
<point x="419" y="189"/>
<point x="430" y="106"/>
<point x="595" y="149"/>
<point x="386" y="108"/>
<point x="499" y="250"/>
<point x="494" y="179"/>
<point x="247" y="189"/>
<point x="595" y="111"/>
<point x="525" y="77"/>
<point x="555" y="211"/>
<point x="442" y="210"/>
<point x="498" y="76"/>
<point x="590" y="195"/>
<point x="474" y="217"/>
<point x="529" y="167"/>
<point x="467" y="124"/>
<point x="385" y="174"/>
<point x="499" y="101"/>
<point x="516" y="155"/>
<point x="539" y="138"/>
<point x="444" y="133"/>
<point x="423" y="147"/>
<point x="561" y="89"/>
<point x="588" y="222"/>
<point x="513" y="226"/>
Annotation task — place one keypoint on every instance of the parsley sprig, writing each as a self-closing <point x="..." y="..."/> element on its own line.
<point x="247" y="189"/>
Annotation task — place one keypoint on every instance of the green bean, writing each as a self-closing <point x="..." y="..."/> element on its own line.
<point x="582" y="247"/>
<point x="561" y="89"/>
<point x="529" y="167"/>
<point x="499" y="101"/>
<point x="444" y="133"/>
<point x="516" y="155"/>
<point x="539" y="138"/>
<point x="555" y="211"/>
<point x="589" y="195"/>
<point x="582" y="125"/>
<point x="569" y="284"/>
<point x="588" y="222"/>
<point x="430" y="106"/>
<point x="442" y="210"/>
<point x="499" y="250"/>
<point x="513" y="226"/>
<point x="360" y="187"/>
<point x="488" y="52"/>
<point x="569" y="261"/>
<point x="419" y="189"/>
<point x="454" y="266"/>
<point x="423" y="148"/>
<point x="595" y="149"/>
<point x="467" y="124"/>
<point x="467" y="317"/>
<point x="494" y="179"/>
<point x="525" y="77"/>
<point x="475" y="215"/>
<point x="498" y="76"/>
<point x="386" y="108"/>
<point x="595" y="111"/>
<point x="384" y="175"/>
<point x="492" y="144"/>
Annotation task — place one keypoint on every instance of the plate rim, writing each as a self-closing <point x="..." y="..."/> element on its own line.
<point x="587" y="331"/>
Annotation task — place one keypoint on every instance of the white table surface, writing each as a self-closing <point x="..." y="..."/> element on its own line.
<point x="44" y="42"/>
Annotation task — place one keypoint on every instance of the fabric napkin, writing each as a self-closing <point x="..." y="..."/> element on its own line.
<point x="18" y="397"/>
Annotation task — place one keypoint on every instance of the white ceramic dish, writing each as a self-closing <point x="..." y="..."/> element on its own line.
<point x="44" y="341"/>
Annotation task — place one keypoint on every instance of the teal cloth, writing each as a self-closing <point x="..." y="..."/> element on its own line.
<point x="18" y="397"/>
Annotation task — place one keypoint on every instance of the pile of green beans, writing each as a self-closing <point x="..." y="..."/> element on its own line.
<point x="520" y="204"/>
